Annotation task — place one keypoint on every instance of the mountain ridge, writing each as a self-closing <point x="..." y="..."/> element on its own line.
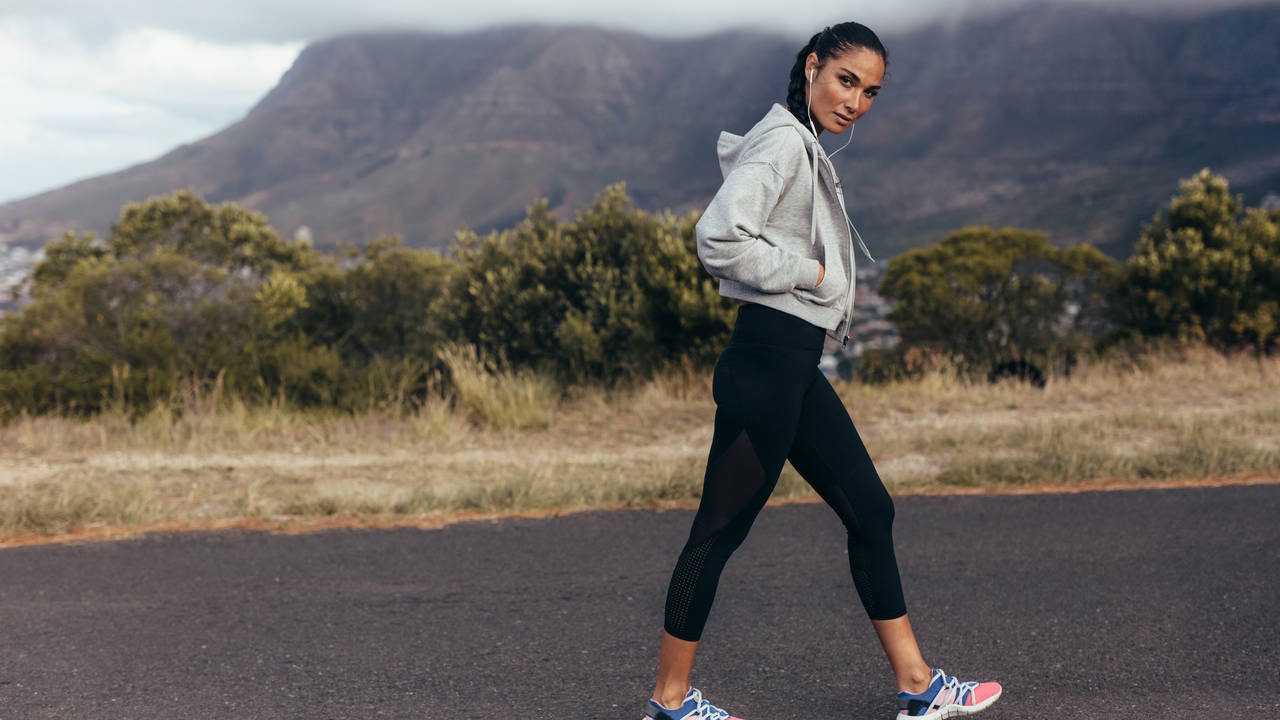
<point x="1073" y="119"/>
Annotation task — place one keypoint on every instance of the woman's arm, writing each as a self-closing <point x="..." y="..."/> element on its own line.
<point x="729" y="233"/>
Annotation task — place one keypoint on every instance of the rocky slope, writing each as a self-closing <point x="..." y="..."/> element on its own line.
<point x="1077" y="120"/>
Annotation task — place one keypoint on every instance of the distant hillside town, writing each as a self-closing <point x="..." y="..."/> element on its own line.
<point x="16" y="262"/>
<point x="871" y="327"/>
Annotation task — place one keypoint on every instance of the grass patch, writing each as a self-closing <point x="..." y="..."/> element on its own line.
<point x="509" y="443"/>
<point x="1053" y="453"/>
<point x="499" y="398"/>
<point x="54" y="508"/>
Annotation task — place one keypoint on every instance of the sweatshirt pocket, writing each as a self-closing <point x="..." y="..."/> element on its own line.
<point x="829" y="292"/>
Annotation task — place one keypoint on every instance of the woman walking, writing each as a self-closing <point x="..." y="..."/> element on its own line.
<point x="778" y="237"/>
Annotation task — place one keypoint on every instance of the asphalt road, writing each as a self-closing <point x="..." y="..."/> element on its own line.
<point x="1127" y="604"/>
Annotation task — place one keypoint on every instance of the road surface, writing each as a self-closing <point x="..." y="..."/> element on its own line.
<point x="1121" y="604"/>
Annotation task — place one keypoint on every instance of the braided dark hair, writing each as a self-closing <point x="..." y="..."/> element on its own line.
<point x="828" y="43"/>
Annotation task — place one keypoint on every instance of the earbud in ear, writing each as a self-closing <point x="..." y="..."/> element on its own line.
<point x="810" y="76"/>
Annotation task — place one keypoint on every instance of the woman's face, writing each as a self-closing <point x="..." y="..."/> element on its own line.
<point x="843" y="87"/>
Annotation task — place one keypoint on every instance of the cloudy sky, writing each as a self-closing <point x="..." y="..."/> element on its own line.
<point x="91" y="87"/>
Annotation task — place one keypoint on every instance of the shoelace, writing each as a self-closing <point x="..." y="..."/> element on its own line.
<point x="950" y="681"/>
<point x="706" y="710"/>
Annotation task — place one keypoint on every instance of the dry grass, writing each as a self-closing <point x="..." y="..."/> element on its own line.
<point x="508" y="445"/>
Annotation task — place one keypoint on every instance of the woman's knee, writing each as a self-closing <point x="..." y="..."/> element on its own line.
<point x="876" y="513"/>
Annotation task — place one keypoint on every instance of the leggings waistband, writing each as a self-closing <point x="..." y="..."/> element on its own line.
<point x="763" y="325"/>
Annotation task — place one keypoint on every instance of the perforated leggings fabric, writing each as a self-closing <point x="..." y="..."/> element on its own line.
<point x="774" y="405"/>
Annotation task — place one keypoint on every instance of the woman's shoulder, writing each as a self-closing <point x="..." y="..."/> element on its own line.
<point x="780" y="145"/>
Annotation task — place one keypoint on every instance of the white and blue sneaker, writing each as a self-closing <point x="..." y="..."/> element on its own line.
<point x="693" y="708"/>
<point x="947" y="697"/>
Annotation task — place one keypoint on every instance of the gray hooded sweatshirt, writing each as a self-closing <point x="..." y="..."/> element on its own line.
<point x="779" y="212"/>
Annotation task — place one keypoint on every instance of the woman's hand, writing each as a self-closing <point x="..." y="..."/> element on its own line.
<point x="822" y="272"/>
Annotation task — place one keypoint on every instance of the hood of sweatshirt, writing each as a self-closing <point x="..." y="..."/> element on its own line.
<point x="730" y="149"/>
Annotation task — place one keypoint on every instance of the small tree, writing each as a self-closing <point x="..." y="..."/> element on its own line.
<point x="1204" y="269"/>
<point x="612" y="295"/>
<point x="382" y="302"/>
<point x="988" y="297"/>
<point x="180" y="289"/>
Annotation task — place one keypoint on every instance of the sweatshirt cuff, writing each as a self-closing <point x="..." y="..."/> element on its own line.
<point x="809" y="273"/>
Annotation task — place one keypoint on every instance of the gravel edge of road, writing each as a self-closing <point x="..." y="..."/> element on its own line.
<point x="303" y="525"/>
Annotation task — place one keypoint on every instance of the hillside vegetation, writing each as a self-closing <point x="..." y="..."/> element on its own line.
<point x="184" y="297"/>
<point x="194" y="368"/>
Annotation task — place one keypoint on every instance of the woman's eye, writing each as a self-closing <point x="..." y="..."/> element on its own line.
<point x="845" y="79"/>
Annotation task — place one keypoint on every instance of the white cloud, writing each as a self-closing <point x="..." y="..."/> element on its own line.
<point x="275" y="21"/>
<point x="163" y="68"/>
<point x="235" y="21"/>
<point x="74" y="109"/>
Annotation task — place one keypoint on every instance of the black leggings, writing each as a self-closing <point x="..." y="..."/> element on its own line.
<point x="773" y="405"/>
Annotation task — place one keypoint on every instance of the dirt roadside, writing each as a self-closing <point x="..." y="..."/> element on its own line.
<point x="299" y="525"/>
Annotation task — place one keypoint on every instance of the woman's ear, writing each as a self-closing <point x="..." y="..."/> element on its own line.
<point x="811" y="66"/>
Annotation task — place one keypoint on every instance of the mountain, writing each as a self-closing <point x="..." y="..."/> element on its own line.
<point x="1078" y="120"/>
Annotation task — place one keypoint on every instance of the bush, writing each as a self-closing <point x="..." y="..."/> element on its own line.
<point x="1204" y="269"/>
<point x="989" y="297"/>
<point x="179" y="289"/>
<point x="186" y="295"/>
<point x="613" y="296"/>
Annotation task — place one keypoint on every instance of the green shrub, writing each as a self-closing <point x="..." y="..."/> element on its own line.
<point x="1204" y="269"/>
<point x="613" y="295"/>
<point x="987" y="297"/>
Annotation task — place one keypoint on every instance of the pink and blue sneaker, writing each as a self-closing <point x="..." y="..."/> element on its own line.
<point x="947" y="697"/>
<point x="693" y="708"/>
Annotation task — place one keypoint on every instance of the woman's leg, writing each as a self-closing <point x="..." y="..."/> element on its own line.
<point x="675" y="663"/>
<point x="735" y="488"/>
<point x="758" y="392"/>
<point x="829" y="454"/>
<point x="899" y="643"/>
<point x="736" y="485"/>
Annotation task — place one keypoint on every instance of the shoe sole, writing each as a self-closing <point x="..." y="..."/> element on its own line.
<point x="951" y="711"/>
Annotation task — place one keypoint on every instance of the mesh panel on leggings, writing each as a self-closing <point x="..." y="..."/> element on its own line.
<point x="734" y="489"/>
<point x="683" y="582"/>
<point x="732" y="479"/>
